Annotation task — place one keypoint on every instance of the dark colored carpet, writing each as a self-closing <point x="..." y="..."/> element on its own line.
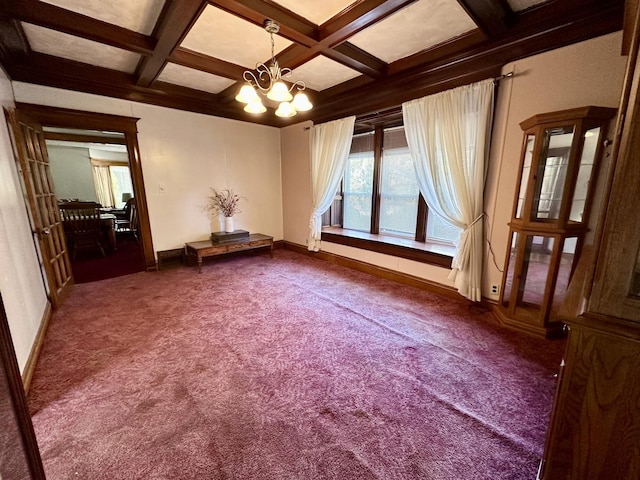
<point x="285" y="368"/>
<point x="90" y="266"/>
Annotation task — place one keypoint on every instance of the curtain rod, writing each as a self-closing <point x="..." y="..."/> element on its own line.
<point x="501" y="77"/>
<point x="495" y="80"/>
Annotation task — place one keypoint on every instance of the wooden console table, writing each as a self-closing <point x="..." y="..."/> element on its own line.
<point x="207" y="248"/>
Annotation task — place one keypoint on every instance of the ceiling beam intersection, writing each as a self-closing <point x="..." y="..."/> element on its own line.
<point x="175" y="21"/>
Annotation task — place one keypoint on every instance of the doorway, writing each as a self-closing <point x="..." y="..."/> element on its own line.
<point x="93" y="166"/>
<point x="122" y="131"/>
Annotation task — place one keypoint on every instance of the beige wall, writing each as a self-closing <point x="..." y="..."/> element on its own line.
<point x="588" y="73"/>
<point x="21" y="284"/>
<point x="296" y="182"/>
<point x="71" y="172"/>
<point x="183" y="155"/>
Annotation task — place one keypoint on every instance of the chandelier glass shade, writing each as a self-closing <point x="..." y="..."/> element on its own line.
<point x="267" y="81"/>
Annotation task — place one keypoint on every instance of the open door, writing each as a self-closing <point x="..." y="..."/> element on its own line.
<point x="33" y="164"/>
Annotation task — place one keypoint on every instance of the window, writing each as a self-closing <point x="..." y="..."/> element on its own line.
<point x="112" y="182"/>
<point x="399" y="191"/>
<point x="357" y="185"/>
<point x="120" y="184"/>
<point x="379" y="201"/>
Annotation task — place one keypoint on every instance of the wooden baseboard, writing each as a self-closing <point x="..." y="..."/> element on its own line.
<point x="381" y="272"/>
<point x="30" y="366"/>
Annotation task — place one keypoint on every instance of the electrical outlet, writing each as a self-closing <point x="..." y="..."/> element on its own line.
<point x="495" y="289"/>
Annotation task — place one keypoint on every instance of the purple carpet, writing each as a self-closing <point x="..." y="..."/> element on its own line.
<point x="285" y="368"/>
<point x="91" y="266"/>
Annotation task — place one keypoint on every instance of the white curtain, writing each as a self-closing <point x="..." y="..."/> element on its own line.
<point x="330" y="143"/>
<point x="102" y="182"/>
<point x="447" y="135"/>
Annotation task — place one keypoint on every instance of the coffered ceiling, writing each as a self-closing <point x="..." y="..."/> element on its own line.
<point x="355" y="57"/>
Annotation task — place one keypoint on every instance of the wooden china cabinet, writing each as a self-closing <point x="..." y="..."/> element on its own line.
<point x="560" y="160"/>
<point x="595" y="423"/>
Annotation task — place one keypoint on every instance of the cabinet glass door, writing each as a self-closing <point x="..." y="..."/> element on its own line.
<point x="587" y="161"/>
<point x="552" y="173"/>
<point x="526" y="171"/>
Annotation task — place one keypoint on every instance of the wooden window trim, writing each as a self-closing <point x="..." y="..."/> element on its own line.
<point x="422" y="252"/>
<point x="108" y="163"/>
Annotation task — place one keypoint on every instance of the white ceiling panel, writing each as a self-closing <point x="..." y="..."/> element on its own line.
<point x="51" y="42"/>
<point x="414" y="28"/>
<point x="518" y="5"/>
<point x="188" y="77"/>
<point x="137" y="15"/>
<point x="321" y="73"/>
<point x="316" y="11"/>
<point x="223" y="35"/>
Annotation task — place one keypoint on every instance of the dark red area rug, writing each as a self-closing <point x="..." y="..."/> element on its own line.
<point x="285" y="368"/>
<point x="91" y="266"/>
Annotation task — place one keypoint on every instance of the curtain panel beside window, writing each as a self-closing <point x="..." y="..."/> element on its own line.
<point x="102" y="182"/>
<point x="329" y="144"/>
<point x="448" y="137"/>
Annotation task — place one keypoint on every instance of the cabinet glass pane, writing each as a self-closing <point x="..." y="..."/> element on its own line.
<point x="551" y="175"/>
<point x="526" y="170"/>
<point x="535" y="269"/>
<point x="567" y="259"/>
<point x="584" y="174"/>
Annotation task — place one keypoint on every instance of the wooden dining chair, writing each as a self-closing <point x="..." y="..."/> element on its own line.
<point x="81" y="221"/>
<point x="130" y="224"/>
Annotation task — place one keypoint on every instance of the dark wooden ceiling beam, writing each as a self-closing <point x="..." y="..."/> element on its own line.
<point x="337" y="30"/>
<point x="66" y="74"/>
<point x="346" y="54"/>
<point x="487" y="57"/>
<point x="356" y="18"/>
<point x="13" y="43"/>
<point x="493" y="17"/>
<point x="175" y="21"/>
<point x="464" y="42"/>
<point x="329" y="40"/>
<point x="205" y="63"/>
<point x="357" y="59"/>
<point x="292" y="26"/>
<point x="56" y="18"/>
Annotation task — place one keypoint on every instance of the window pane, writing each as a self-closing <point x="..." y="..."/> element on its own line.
<point x="121" y="181"/>
<point x="399" y="187"/>
<point x="439" y="230"/>
<point x="358" y="184"/>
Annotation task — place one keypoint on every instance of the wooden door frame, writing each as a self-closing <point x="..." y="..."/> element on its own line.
<point x="18" y="399"/>
<point x="78" y="119"/>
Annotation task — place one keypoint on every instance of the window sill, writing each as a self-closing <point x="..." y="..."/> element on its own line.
<point x="431" y="253"/>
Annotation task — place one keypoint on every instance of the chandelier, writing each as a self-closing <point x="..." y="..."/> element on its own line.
<point x="268" y="82"/>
